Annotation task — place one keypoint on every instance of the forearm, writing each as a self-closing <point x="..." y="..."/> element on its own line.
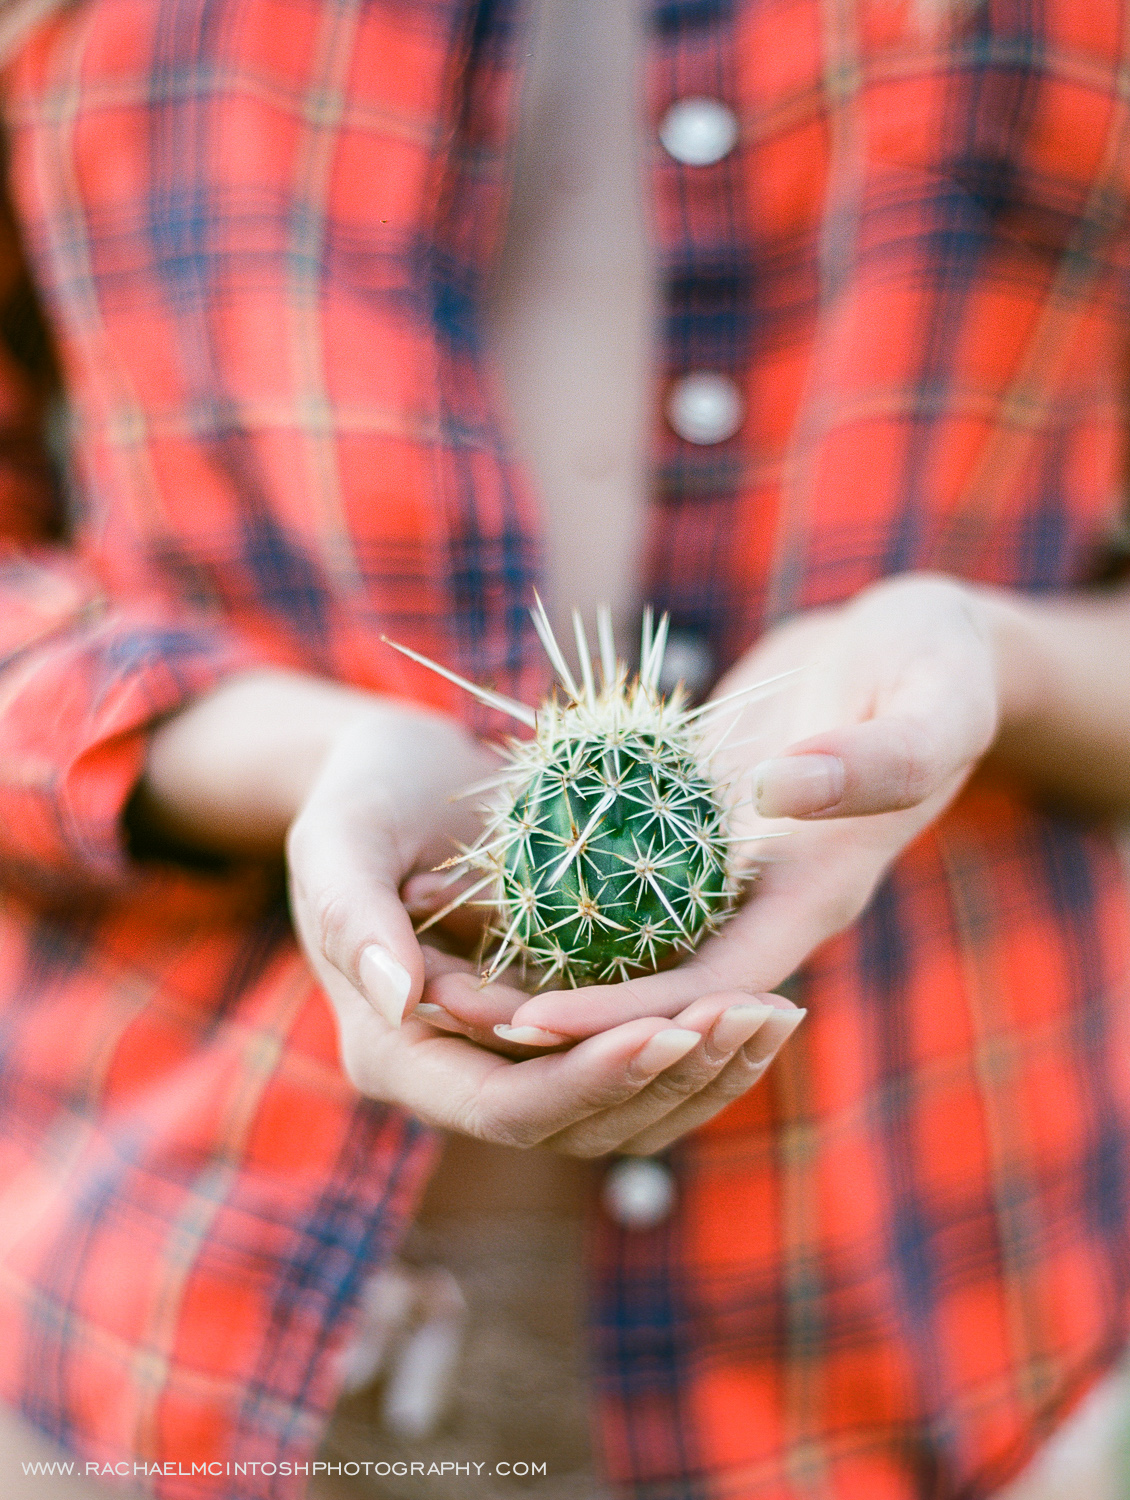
<point x="1064" y="676"/>
<point x="229" y="773"/>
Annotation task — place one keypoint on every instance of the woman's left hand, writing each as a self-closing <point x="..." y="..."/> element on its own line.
<point x="897" y="697"/>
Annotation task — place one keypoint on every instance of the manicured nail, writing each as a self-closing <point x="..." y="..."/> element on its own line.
<point x="784" y="1023"/>
<point x="426" y="889"/>
<point x="385" y="982"/>
<point x="735" y="1026"/>
<point x="664" y="1049"/>
<point x="530" y="1036"/>
<point x="795" y="786"/>
<point x="434" y="1015"/>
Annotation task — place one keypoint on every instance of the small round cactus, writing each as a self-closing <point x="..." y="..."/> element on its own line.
<point x="607" y="846"/>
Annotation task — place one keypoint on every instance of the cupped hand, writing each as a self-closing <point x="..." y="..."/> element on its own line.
<point x="380" y="808"/>
<point x="632" y="1088"/>
<point x="895" y="700"/>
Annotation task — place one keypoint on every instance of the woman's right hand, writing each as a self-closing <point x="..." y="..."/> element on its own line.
<point x="362" y="790"/>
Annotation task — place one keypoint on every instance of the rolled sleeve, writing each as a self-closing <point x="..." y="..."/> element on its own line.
<point x="82" y="682"/>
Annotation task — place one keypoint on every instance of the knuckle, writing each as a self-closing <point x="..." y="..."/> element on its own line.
<point x="330" y="912"/>
<point x="359" y="1065"/>
<point x="742" y="1074"/>
<point x="521" y="1135"/>
<point x="592" y="1146"/>
<point x="466" y="1119"/>
<point x="356" y="1072"/>
<point x="604" y="1095"/>
<point x="593" y="1150"/>
<point x="916" y="757"/>
<point x="583" y="1145"/>
<point x="495" y="1129"/>
<point x="650" y="1144"/>
<point x="672" y="1090"/>
<point x="716" y="1061"/>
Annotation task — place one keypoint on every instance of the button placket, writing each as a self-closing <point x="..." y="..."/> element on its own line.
<point x="697" y="123"/>
<point x="703" y="407"/>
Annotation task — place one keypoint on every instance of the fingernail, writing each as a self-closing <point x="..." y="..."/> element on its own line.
<point x="425" y="890"/>
<point x="435" y="1015"/>
<point x="794" y="786"/>
<point x="736" y="1025"/>
<point x="530" y="1036"/>
<point x="385" y="982"/>
<point x="785" y="1022"/>
<point x="664" y="1049"/>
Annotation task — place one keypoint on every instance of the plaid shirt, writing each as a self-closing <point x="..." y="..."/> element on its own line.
<point x="260" y="229"/>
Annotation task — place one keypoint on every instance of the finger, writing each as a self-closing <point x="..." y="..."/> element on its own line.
<point x="598" y="1007"/>
<point x="722" y="964"/>
<point x="426" y="895"/>
<point x="442" y="1020"/>
<point x="556" y="1014"/>
<point x="894" y="761"/>
<point x="449" y="1082"/>
<point x="344" y="882"/>
<point x="746" y="1068"/>
<point x="731" y="1028"/>
<point x="560" y="1089"/>
<point x="481" y="1010"/>
<point x="492" y="1037"/>
<point x="796" y="908"/>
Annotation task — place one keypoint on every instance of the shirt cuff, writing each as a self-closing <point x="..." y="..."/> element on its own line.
<point x="75" y="711"/>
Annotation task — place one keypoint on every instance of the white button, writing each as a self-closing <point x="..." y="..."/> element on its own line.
<point x="699" y="132"/>
<point x="689" y="660"/>
<point x="705" y="408"/>
<point x="638" y="1193"/>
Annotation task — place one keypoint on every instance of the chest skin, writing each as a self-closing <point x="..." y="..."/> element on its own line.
<point x="571" y="315"/>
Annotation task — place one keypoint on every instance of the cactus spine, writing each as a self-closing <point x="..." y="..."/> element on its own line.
<point x="607" y="846"/>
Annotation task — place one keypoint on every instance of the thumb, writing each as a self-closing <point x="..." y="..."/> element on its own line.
<point x="344" y="881"/>
<point x="886" y="764"/>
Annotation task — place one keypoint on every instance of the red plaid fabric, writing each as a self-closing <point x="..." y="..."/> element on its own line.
<point x="278" y="450"/>
<point x="898" y="1263"/>
<point x="260" y="229"/>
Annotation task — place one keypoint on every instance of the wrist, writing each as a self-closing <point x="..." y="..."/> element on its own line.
<point x="1022" y="665"/>
<point x="229" y="772"/>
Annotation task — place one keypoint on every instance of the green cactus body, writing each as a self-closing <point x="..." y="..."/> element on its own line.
<point x="607" y="847"/>
<point x="616" y="862"/>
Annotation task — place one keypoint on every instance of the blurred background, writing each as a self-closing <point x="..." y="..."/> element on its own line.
<point x="508" y="1226"/>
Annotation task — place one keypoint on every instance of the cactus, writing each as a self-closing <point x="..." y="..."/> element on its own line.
<point x="607" y="846"/>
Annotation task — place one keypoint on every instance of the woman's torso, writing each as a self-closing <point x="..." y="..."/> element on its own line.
<point x="906" y="264"/>
<point x="570" y="321"/>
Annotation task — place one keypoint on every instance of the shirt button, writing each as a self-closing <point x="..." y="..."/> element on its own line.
<point x="705" y="408"/>
<point x="689" y="660"/>
<point x="699" y="132"/>
<point x="638" y="1193"/>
